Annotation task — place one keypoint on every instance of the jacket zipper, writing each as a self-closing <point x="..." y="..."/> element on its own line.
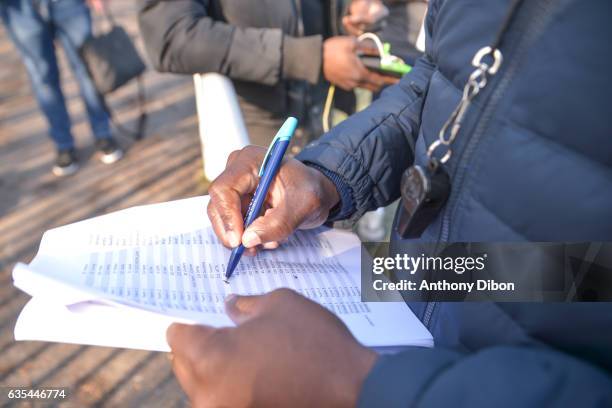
<point x="536" y="21"/>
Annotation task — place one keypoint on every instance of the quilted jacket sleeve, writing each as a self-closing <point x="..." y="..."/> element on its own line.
<point x="368" y="153"/>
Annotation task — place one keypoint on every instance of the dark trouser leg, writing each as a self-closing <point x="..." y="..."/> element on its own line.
<point x="73" y="26"/>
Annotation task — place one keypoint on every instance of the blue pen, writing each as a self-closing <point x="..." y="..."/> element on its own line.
<point x="269" y="167"/>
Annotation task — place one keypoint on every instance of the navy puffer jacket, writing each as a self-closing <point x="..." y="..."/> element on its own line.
<point x="533" y="162"/>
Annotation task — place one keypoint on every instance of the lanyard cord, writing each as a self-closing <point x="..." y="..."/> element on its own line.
<point x="476" y="82"/>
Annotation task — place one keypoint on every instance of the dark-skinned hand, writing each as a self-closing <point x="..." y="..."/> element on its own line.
<point x="299" y="197"/>
<point x="286" y="351"/>
<point x="343" y="68"/>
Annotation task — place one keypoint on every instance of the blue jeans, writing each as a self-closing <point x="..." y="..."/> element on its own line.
<point x="33" y="25"/>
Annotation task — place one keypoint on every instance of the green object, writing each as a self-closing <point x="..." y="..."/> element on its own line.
<point x="389" y="62"/>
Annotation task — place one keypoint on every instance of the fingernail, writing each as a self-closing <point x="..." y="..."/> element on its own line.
<point x="233" y="238"/>
<point x="250" y="239"/>
<point x="270" y="245"/>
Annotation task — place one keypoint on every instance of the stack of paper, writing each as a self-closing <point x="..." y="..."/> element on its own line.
<point x="120" y="279"/>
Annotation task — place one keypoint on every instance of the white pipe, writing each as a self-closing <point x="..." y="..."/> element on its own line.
<point x="221" y="125"/>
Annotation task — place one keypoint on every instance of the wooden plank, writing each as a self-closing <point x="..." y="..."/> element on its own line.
<point x="35" y="368"/>
<point x="138" y="387"/>
<point x="165" y="166"/>
<point x="76" y="370"/>
<point x="108" y="377"/>
<point x="165" y="395"/>
<point x="23" y="244"/>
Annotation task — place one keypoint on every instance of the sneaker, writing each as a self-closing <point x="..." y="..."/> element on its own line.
<point x="109" y="150"/>
<point x="66" y="163"/>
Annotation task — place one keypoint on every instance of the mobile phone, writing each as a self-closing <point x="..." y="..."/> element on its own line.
<point x="396" y="68"/>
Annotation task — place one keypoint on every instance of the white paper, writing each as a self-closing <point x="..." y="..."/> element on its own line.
<point x="121" y="279"/>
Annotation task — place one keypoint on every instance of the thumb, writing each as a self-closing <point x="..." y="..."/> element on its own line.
<point x="243" y="308"/>
<point x="274" y="226"/>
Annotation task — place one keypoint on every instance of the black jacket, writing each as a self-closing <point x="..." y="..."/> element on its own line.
<point x="271" y="49"/>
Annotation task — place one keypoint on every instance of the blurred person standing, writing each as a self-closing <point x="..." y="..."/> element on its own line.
<point x="279" y="54"/>
<point x="33" y="26"/>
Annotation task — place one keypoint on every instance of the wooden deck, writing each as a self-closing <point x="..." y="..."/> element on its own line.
<point x="165" y="166"/>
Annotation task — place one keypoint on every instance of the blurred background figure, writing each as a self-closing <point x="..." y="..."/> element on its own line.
<point x="33" y="26"/>
<point x="279" y="54"/>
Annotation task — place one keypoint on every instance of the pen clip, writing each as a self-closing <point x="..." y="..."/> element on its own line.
<point x="285" y="133"/>
<point x="267" y="156"/>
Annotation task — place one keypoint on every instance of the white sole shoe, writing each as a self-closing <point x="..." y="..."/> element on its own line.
<point x="111" y="158"/>
<point x="59" y="171"/>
